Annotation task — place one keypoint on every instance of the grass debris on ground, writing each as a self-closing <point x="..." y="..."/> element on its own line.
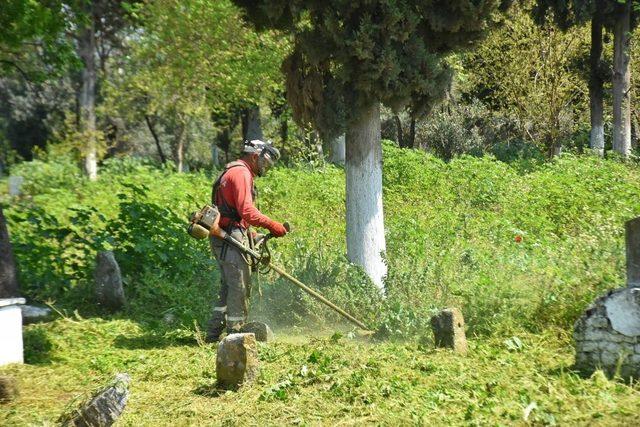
<point x="336" y="380"/>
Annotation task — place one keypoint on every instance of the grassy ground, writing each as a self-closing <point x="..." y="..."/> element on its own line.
<point x="333" y="380"/>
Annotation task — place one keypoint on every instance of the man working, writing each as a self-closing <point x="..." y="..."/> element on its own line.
<point x="234" y="194"/>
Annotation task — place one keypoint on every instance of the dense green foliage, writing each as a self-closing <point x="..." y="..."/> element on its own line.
<point x="22" y="23"/>
<point x="348" y="55"/>
<point x="513" y="246"/>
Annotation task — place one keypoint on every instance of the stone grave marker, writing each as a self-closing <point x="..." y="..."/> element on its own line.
<point x="448" y="330"/>
<point x="108" y="282"/>
<point x="607" y="335"/>
<point x="261" y="330"/>
<point x="15" y="185"/>
<point x="104" y="408"/>
<point x="236" y="361"/>
<point x="632" y="229"/>
<point x="8" y="389"/>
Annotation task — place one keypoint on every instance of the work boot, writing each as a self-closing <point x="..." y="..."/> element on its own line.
<point x="215" y="329"/>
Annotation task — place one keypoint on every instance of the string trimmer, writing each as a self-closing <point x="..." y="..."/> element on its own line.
<point x="205" y="224"/>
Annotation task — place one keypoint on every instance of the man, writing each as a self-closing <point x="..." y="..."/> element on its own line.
<point x="234" y="194"/>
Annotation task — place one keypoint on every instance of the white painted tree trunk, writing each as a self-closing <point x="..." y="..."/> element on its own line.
<point x="622" y="82"/>
<point x="596" y="84"/>
<point x="365" y="219"/>
<point x="178" y="147"/>
<point x="87" y="97"/>
<point x="337" y="151"/>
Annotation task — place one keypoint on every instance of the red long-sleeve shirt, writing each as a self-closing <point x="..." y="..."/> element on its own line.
<point x="235" y="189"/>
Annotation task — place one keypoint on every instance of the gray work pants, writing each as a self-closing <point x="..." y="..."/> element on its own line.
<point x="231" y="306"/>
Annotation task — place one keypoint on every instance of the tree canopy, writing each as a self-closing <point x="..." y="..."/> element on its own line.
<point x="348" y="54"/>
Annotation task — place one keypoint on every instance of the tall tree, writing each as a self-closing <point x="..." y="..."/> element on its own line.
<point x="348" y="57"/>
<point x="194" y="59"/>
<point x="98" y="24"/>
<point x="622" y="77"/>
<point x="620" y="17"/>
<point x="86" y="47"/>
<point x="571" y="13"/>
<point x="597" y="76"/>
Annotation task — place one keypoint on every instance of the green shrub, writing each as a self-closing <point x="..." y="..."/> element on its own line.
<point x="512" y="247"/>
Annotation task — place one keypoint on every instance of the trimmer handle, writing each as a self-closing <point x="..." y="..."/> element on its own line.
<point x="286" y="226"/>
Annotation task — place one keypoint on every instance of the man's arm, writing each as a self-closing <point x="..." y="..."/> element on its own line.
<point x="247" y="210"/>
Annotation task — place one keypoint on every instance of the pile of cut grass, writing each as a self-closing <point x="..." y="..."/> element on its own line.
<point x="330" y="380"/>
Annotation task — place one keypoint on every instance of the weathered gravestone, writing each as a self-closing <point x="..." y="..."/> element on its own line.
<point x="108" y="282"/>
<point x="607" y="336"/>
<point x="15" y="185"/>
<point x="8" y="389"/>
<point x="104" y="408"/>
<point x="632" y="229"/>
<point x="262" y="331"/>
<point x="448" y="330"/>
<point x="236" y="361"/>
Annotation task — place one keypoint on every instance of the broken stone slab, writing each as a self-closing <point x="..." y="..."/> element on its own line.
<point x="611" y="346"/>
<point x="35" y="314"/>
<point x="623" y="311"/>
<point x="8" y="389"/>
<point x="448" y="330"/>
<point x="108" y="282"/>
<point x="104" y="408"/>
<point x="237" y="360"/>
<point x="262" y="331"/>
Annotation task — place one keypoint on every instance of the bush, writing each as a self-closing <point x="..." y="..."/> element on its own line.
<point x="513" y="248"/>
<point x="455" y="129"/>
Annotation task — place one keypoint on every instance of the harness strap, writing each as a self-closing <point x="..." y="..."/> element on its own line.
<point x="225" y="209"/>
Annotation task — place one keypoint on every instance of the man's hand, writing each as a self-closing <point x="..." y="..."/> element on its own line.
<point x="277" y="229"/>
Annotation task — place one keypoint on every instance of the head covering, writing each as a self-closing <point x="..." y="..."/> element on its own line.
<point x="268" y="155"/>
<point x="261" y="147"/>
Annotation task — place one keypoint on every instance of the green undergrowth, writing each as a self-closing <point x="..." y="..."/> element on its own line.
<point x="331" y="380"/>
<point x="514" y="247"/>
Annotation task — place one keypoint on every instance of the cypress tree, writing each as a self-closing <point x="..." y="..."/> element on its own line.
<point x="350" y="56"/>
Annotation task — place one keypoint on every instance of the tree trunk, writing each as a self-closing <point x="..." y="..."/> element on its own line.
<point x="635" y="130"/>
<point x="337" y="151"/>
<point x="365" y="220"/>
<point x="554" y="150"/>
<point x="284" y="131"/>
<point x="8" y="277"/>
<point x="87" y="96"/>
<point x="215" y="156"/>
<point x="596" y="83"/>
<point x="251" y="127"/>
<point x="398" y="123"/>
<point x="152" y="129"/>
<point x="178" y="147"/>
<point x="622" y="81"/>
<point x="412" y="134"/>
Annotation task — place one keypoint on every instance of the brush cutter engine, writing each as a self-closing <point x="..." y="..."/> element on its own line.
<point x="202" y="221"/>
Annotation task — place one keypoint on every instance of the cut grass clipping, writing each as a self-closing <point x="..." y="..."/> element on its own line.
<point x="334" y="380"/>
